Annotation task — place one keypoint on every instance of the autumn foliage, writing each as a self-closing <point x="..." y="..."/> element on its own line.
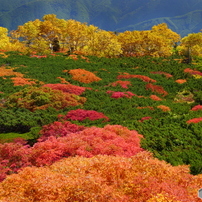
<point x="83" y="76"/>
<point x="34" y="98"/>
<point x="103" y="178"/>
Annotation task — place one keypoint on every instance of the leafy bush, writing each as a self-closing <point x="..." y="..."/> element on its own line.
<point x="103" y="178"/>
<point x="34" y="98"/>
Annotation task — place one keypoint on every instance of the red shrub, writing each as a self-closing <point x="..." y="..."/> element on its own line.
<point x="123" y="84"/>
<point x="116" y="95"/>
<point x="197" y="107"/>
<point x="67" y="88"/>
<point x="142" y="77"/>
<point x="82" y="114"/>
<point x="195" y="120"/>
<point x="156" y="88"/>
<point x="59" y="129"/>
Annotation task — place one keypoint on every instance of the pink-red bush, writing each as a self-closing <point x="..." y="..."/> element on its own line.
<point x="67" y="88"/>
<point x="196" y="108"/>
<point x="142" y="77"/>
<point x="195" y="120"/>
<point x="59" y="129"/>
<point x="117" y="95"/>
<point x="82" y="114"/>
<point x="123" y="84"/>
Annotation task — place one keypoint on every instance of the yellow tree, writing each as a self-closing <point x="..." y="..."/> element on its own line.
<point x="103" y="44"/>
<point x="156" y="42"/>
<point x="170" y="36"/>
<point x="6" y="43"/>
<point x="131" y="42"/>
<point x="74" y="34"/>
<point x="193" y="42"/>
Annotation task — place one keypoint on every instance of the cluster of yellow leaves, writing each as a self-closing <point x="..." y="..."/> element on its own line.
<point x="192" y="43"/>
<point x="6" y="43"/>
<point x="156" y="42"/>
<point x="101" y="179"/>
<point x="83" y="76"/>
<point x="88" y="39"/>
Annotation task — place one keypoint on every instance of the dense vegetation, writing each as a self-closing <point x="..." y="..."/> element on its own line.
<point x="102" y="118"/>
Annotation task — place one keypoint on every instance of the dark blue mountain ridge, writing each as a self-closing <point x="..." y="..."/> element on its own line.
<point x="182" y="16"/>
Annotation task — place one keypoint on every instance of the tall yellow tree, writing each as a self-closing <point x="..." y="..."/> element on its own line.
<point x="103" y="44"/>
<point x="6" y="43"/>
<point x="193" y="42"/>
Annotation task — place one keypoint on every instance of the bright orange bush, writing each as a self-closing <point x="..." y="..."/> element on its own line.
<point x="83" y="76"/>
<point x="164" y="108"/>
<point x="180" y="81"/>
<point x="8" y="71"/>
<point x="20" y="81"/>
<point x="103" y="178"/>
<point x="155" y="97"/>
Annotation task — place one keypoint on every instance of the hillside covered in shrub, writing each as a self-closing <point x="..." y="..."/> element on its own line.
<point x="87" y="128"/>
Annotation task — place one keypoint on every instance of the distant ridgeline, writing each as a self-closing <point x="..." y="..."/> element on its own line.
<point x="52" y="34"/>
<point x="182" y="16"/>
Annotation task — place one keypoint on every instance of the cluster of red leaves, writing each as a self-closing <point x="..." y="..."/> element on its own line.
<point x="83" y="76"/>
<point x="65" y="139"/>
<point x="117" y="95"/>
<point x="67" y="88"/>
<point x="155" y="98"/>
<point x="145" y="118"/>
<point x="13" y="156"/>
<point x="142" y="77"/>
<point x="82" y="114"/>
<point x="123" y="84"/>
<point x="196" y="108"/>
<point x="195" y="120"/>
<point x="59" y="129"/>
<point x="192" y="72"/>
<point x="156" y="88"/>
<point x="103" y="178"/>
<point x="164" y="73"/>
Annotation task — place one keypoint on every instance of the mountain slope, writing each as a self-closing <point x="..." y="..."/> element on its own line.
<point x="107" y="14"/>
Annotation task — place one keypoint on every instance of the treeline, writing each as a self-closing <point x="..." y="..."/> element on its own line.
<point x="52" y="34"/>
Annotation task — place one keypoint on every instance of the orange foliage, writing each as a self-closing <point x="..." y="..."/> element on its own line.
<point x="164" y="108"/>
<point x="155" y="97"/>
<point x="9" y="72"/>
<point x="180" y="81"/>
<point x="62" y="80"/>
<point x="83" y="76"/>
<point x="103" y="178"/>
<point x="20" y="81"/>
